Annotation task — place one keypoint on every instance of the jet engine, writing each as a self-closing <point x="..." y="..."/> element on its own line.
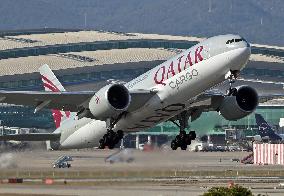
<point x="109" y="101"/>
<point x="242" y="101"/>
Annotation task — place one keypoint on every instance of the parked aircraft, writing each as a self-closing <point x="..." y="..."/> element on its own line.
<point x="265" y="130"/>
<point x="175" y="90"/>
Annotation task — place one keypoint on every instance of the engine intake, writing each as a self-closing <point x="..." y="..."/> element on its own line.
<point x="109" y="101"/>
<point x="241" y="103"/>
<point x="118" y="97"/>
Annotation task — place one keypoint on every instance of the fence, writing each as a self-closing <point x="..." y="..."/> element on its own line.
<point x="268" y="154"/>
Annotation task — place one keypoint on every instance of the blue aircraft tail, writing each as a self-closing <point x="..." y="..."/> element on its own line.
<point x="264" y="129"/>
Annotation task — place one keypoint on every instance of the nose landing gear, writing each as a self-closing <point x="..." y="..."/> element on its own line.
<point x="232" y="76"/>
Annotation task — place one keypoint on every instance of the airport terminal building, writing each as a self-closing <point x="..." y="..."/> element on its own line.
<point x="85" y="60"/>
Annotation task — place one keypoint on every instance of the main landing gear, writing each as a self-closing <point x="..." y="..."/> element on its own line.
<point x="182" y="139"/>
<point x="111" y="138"/>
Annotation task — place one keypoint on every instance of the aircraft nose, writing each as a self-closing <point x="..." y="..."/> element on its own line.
<point x="245" y="55"/>
<point x="248" y="44"/>
<point x="247" y="51"/>
<point x="240" y="57"/>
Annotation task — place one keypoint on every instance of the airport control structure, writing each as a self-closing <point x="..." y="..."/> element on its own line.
<point x="88" y="59"/>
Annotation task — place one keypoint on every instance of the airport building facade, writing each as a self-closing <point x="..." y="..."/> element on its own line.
<point x="94" y="75"/>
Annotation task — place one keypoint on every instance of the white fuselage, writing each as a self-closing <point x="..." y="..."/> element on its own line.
<point x="177" y="81"/>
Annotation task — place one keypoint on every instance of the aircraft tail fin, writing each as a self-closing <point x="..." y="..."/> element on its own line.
<point x="52" y="84"/>
<point x="264" y="129"/>
<point x="50" y="81"/>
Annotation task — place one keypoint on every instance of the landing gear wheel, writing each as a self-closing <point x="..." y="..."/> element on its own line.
<point x="183" y="147"/>
<point x="102" y="144"/>
<point x="174" y="145"/>
<point x="182" y="140"/>
<point x="120" y="134"/>
<point x="110" y="139"/>
<point x="111" y="146"/>
<point x="192" y="135"/>
<point x="182" y="135"/>
<point x="188" y="140"/>
<point x="178" y="140"/>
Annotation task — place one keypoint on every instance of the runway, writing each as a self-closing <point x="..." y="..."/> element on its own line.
<point x="160" y="172"/>
<point x="121" y="190"/>
<point x="162" y="159"/>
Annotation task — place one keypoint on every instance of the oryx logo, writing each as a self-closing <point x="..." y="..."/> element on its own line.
<point x="97" y="99"/>
<point x="263" y="128"/>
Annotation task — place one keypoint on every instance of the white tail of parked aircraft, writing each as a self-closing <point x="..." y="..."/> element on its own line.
<point x="52" y="84"/>
<point x="175" y="90"/>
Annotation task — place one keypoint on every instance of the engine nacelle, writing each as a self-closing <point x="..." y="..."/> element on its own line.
<point x="109" y="101"/>
<point x="241" y="103"/>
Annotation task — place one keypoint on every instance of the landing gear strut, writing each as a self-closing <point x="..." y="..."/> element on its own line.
<point x="232" y="76"/>
<point x="182" y="139"/>
<point x="111" y="138"/>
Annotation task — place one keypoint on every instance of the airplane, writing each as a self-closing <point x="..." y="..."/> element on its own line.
<point x="265" y="130"/>
<point x="176" y="90"/>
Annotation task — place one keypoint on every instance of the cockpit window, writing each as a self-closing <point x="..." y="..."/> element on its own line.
<point x="230" y="41"/>
<point x="244" y="39"/>
<point x="234" y="40"/>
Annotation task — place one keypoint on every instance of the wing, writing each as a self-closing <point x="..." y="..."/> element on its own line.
<point x="211" y="101"/>
<point x="139" y="97"/>
<point x="264" y="98"/>
<point x="31" y="137"/>
<point x="67" y="101"/>
<point x="208" y="101"/>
